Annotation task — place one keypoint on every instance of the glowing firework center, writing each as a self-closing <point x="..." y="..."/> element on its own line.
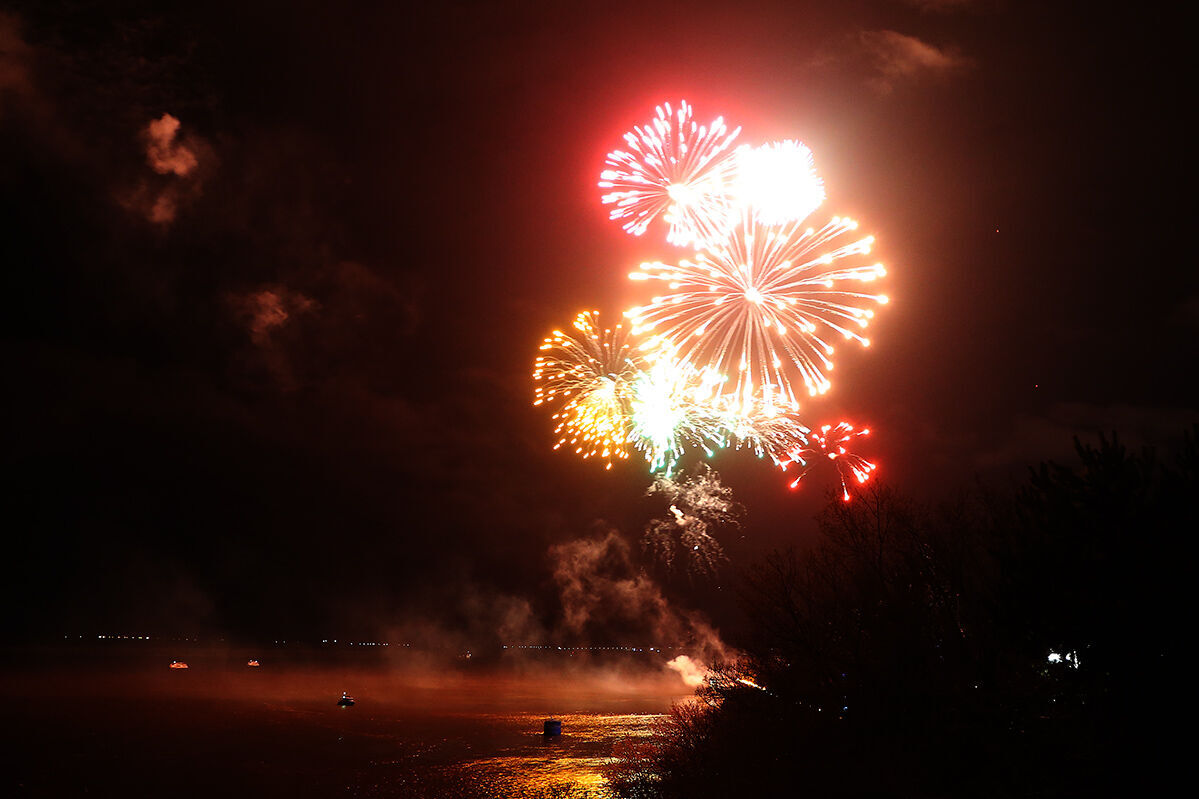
<point x="714" y="360"/>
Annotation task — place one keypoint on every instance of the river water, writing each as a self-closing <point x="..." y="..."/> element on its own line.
<point x="134" y="727"/>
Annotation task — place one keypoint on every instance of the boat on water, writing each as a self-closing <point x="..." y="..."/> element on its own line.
<point x="178" y="664"/>
<point x="552" y="727"/>
<point x="346" y="700"/>
<point x="253" y="664"/>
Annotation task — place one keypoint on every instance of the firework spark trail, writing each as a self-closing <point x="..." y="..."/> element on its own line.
<point x="765" y="431"/>
<point x="667" y="417"/>
<point x="673" y="168"/>
<point x="696" y="504"/>
<point x="830" y="443"/>
<point x="762" y="303"/>
<point x="593" y="370"/>
<point x="743" y="421"/>
<point x="700" y="494"/>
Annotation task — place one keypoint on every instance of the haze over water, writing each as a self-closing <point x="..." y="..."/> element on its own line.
<point x="114" y="720"/>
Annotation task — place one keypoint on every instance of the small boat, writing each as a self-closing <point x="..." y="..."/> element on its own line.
<point x="178" y="664"/>
<point x="552" y="727"/>
<point x="254" y="664"/>
<point x="346" y="700"/>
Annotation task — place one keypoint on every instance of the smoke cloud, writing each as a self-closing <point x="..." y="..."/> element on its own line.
<point x="603" y="600"/>
<point x="605" y="597"/>
<point x="692" y="673"/>
<point x="268" y="309"/>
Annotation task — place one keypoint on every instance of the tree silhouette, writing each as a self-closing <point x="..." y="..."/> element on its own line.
<point x="998" y="645"/>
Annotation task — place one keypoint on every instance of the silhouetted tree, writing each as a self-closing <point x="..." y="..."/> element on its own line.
<point x="1000" y="645"/>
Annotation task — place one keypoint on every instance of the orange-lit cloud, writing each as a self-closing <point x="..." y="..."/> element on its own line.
<point x="179" y="159"/>
<point x="896" y="57"/>
<point x="165" y="152"/>
<point x="268" y="309"/>
<point x="268" y="316"/>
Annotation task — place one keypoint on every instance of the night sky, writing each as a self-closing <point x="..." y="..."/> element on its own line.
<point x="268" y="373"/>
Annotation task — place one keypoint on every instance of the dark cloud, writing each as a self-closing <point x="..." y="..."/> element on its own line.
<point x="943" y="6"/>
<point x="14" y="55"/>
<point x="1050" y="436"/>
<point x="1187" y="314"/>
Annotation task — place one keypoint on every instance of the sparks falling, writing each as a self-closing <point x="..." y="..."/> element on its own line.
<point x="698" y="504"/>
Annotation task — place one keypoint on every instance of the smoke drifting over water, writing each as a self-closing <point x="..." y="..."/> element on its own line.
<point x="601" y="590"/>
<point x="110" y="718"/>
<point x="599" y="606"/>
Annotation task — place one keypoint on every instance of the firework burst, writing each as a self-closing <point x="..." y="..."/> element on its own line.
<point x="778" y="181"/>
<point x="763" y="304"/>
<point x="830" y="443"/>
<point x="673" y="168"/>
<point x="592" y="371"/>
<point x="742" y="329"/>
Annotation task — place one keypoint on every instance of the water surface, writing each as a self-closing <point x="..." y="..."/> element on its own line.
<point x="132" y="727"/>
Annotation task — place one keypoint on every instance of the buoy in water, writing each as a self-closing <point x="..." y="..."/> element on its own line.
<point x="552" y="727"/>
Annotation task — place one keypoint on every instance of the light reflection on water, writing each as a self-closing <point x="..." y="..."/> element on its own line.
<point x="415" y="734"/>
<point x="536" y="765"/>
<point x="503" y="755"/>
